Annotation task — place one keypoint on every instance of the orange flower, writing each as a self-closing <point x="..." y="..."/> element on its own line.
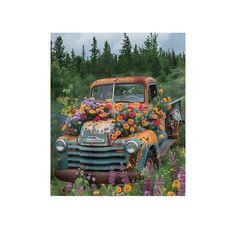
<point x="162" y="127"/>
<point x="154" y="116"/>
<point x="144" y="123"/>
<point x="155" y="109"/>
<point x="125" y="126"/>
<point x="130" y="121"/>
<point x="119" y="118"/>
<point x="127" y="188"/>
<point x="132" y="129"/>
<point x="118" y="133"/>
<point x="97" y="110"/>
<point x="113" y="136"/>
<point x="145" y="112"/>
<point x="118" y="189"/>
<point x="164" y="100"/>
<point x="64" y="127"/>
<point x="170" y="193"/>
<point x="176" y="184"/>
<point x="119" y="107"/>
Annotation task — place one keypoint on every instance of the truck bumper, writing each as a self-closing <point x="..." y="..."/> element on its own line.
<point x="96" y="177"/>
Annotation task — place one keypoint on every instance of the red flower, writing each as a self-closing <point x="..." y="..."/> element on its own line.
<point x="123" y="116"/>
<point x="155" y="123"/>
<point x="108" y="106"/>
<point x="130" y="106"/>
<point x="83" y="116"/>
<point x="97" y="118"/>
<point x="70" y="130"/>
<point x="141" y="107"/>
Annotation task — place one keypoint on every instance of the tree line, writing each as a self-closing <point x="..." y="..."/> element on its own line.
<point x="71" y="74"/>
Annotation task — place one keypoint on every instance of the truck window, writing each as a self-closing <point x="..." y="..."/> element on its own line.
<point x="103" y="92"/>
<point x="152" y="91"/>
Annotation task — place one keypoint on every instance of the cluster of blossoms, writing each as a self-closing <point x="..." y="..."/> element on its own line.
<point x="129" y="118"/>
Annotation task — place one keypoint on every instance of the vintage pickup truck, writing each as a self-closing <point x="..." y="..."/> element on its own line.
<point x="92" y="152"/>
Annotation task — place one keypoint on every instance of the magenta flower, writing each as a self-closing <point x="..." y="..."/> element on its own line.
<point x="131" y="114"/>
<point x="69" y="186"/>
<point x="83" y="116"/>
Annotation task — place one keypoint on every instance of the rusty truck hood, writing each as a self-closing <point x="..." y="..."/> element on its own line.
<point x="97" y="132"/>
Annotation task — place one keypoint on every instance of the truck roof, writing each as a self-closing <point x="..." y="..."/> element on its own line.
<point x="145" y="80"/>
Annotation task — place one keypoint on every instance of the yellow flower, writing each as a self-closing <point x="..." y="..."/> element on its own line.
<point x="169" y="99"/>
<point x="170" y="193"/>
<point x="92" y="111"/>
<point x="125" y="126"/>
<point x="155" y="109"/>
<point x="132" y="129"/>
<point x="96" y="193"/>
<point x="118" y="189"/>
<point x="162" y="136"/>
<point x="137" y="115"/>
<point x="130" y="121"/>
<point x="108" y="101"/>
<point x="176" y="184"/>
<point x="87" y="108"/>
<point x="161" y="91"/>
<point x="164" y="100"/>
<point x="127" y="188"/>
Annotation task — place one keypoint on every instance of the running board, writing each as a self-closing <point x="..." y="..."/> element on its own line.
<point x="166" y="146"/>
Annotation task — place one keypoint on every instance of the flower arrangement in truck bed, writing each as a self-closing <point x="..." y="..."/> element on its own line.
<point x="129" y="118"/>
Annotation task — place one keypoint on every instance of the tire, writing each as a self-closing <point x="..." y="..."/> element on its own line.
<point x="150" y="164"/>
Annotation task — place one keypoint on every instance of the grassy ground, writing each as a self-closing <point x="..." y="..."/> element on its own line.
<point x="168" y="180"/>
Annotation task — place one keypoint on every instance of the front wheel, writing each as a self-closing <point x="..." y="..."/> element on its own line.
<point x="150" y="163"/>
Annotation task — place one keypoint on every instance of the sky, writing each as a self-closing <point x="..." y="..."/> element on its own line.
<point x="175" y="41"/>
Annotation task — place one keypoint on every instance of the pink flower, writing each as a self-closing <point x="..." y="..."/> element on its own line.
<point x="141" y="107"/>
<point x="97" y="118"/>
<point x="108" y="106"/>
<point x="155" y="123"/>
<point x="132" y="114"/>
<point x="130" y="106"/>
<point x="83" y="116"/>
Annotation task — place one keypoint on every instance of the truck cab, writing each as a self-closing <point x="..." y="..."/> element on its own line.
<point x="93" y="154"/>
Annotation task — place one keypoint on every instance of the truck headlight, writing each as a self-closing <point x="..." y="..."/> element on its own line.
<point x="132" y="147"/>
<point x="61" y="145"/>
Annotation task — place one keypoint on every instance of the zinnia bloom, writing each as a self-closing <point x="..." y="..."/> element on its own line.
<point x="176" y="184"/>
<point x="119" y="107"/>
<point x="132" y="129"/>
<point x="137" y="115"/>
<point x="123" y="116"/>
<point x="127" y="188"/>
<point x="108" y="105"/>
<point x="119" y="118"/>
<point x="154" y="116"/>
<point x="130" y="121"/>
<point x="170" y="193"/>
<point x="113" y="136"/>
<point x="125" y="126"/>
<point x="118" y="133"/>
<point x="118" y="189"/>
<point x="144" y="123"/>
<point x="131" y="114"/>
<point x="83" y="116"/>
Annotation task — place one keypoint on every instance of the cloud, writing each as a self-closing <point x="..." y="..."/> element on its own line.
<point x="167" y="41"/>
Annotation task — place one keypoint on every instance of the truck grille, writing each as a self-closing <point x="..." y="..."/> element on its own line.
<point x="96" y="158"/>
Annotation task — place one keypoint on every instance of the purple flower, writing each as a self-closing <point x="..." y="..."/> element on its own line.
<point x="159" y="183"/>
<point x="69" y="186"/>
<point x="147" y="193"/>
<point x="181" y="177"/>
<point x="78" y="189"/>
<point x="93" y="179"/>
<point x="93" y="186"/>
<point x="148" y="186"/>
<point x="112" y="177"/>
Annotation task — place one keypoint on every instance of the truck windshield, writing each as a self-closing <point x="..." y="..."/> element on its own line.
<point x="122" y="93"/>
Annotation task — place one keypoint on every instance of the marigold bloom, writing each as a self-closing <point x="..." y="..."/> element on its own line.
<point x="164" y="100"/>
<point x="118" y="189"/>
<point x="144" y="123"/>
<point x="87" y="108"/>
<point x="119" y="107"/>
<point x="118" y="133"/>
<point x="127" y="188"/>
<point x="176" y="184"/>
<point x="130" y="121"/>
<point x="125" y="126"/>
<point x="170" y="193"/>
<point x="161" y="91"/>
<point x="114" y="136"/>
<point x="119" y="118"/>
<point x="108" y="100"/>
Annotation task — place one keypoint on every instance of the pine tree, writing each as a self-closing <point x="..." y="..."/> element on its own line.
<point x="106" y="60"/>
<point x="125" y="58"/>
<point x="58" y="51"/>
<point x="94" y="55"/>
